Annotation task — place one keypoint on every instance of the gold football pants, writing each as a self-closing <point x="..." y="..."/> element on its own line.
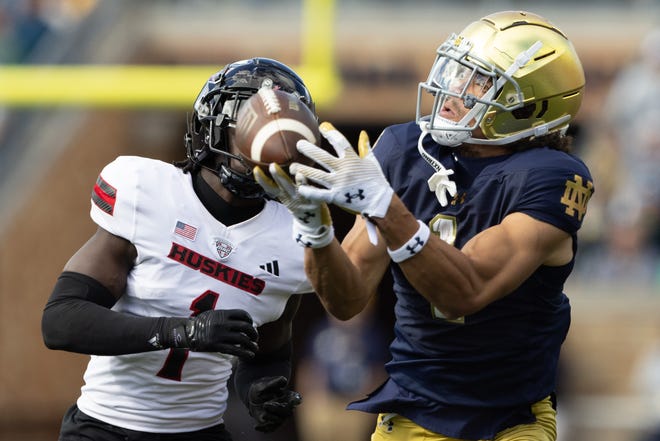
<point x="392" y="427"/>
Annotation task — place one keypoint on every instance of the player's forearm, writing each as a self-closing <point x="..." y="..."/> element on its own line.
<point x="78" y="318"/>
<point x="439" y="272"/>
<point x="445" y="277"/>
<point x="336" y="281"/>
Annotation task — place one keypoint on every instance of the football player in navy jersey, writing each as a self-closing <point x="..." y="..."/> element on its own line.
<point x="188" y="275"/>
<point x="475" y="208"/>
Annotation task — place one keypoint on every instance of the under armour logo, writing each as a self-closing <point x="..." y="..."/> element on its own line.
<point x="300" y="240"/>
<point x="350" y="197"/>
<point x="387" y="422"/>
<point x="307" y="216"/>
<point x="418" y="243"/>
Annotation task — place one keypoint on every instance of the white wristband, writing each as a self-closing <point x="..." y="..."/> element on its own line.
<point x="414" y="244"/>
<point x="313" y="239"/>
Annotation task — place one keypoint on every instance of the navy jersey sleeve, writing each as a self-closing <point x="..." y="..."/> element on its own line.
<point x="383" y="148"/>
<point x="558" y="193"/>
<point x="391" y="151"/>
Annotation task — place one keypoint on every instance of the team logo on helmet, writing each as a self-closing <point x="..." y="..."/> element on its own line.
<point x="223" y="247"/>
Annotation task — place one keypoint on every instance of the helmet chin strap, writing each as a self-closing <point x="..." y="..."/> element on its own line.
<point x="239" y="185"/>
<point x="449" y="137"/>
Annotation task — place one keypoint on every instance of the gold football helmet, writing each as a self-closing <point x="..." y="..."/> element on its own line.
<point x="516" y="72"/>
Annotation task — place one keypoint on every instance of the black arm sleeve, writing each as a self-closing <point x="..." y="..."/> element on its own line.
<point x="273" y="364"/>
<point x="78" y="318"/>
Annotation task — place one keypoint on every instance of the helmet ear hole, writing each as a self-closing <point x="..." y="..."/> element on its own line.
<point x="524" y="112"/>
<point x="544" y="108"/>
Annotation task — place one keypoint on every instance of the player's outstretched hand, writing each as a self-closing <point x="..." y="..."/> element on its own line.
<point x="229" y="331"/>
<point x="353" y="182"/>
<point x="312" y="225"/>
<point x="271" y="402"/>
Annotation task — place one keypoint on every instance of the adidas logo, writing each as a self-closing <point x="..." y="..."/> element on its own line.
<point x="272" y="267"/>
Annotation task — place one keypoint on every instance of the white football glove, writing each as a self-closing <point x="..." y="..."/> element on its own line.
<point x="312" y="226"/>
<point x="351" y="182"/>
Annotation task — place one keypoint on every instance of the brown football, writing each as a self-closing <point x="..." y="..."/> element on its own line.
<point x="270" y="123"/>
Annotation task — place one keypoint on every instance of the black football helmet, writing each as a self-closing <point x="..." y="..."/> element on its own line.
<point x="215" y="110"/>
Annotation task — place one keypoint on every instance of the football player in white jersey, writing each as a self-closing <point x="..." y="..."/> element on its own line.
<point x="192" y="271"/>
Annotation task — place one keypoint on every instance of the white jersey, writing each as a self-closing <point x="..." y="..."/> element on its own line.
<point x="187" y="262"/>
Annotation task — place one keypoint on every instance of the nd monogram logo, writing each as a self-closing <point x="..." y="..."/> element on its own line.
<point x="576" y="196"/>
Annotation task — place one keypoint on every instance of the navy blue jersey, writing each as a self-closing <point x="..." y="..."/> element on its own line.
<point x="473" y="377"/>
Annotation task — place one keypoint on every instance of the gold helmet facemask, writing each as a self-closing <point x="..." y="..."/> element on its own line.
<point x="518" y="75"/>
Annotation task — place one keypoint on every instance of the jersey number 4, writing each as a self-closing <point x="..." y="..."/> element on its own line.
<point x="173" y="365"/>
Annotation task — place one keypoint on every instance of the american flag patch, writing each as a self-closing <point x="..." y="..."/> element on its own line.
<point x="185" y="230"/>
<point x="104" y="195"/>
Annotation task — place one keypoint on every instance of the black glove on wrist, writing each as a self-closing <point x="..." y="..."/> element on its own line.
<point x="270" y="403"/>
<point x="228" y="331"/>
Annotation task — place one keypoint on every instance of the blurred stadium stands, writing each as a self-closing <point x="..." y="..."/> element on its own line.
<point x="363" y="60"/>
